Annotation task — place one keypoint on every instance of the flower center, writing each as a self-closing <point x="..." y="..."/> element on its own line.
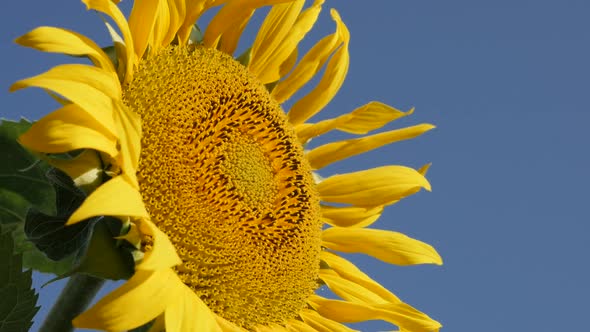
<point x="222" y="174"/>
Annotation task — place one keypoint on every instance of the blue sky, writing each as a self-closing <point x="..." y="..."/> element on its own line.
<point x="507" y="84"/>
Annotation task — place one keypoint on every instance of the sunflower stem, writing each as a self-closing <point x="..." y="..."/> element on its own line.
<point x="74" y="298"/>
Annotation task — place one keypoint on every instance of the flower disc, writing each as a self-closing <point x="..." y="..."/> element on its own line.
<point x="223" y="175"/>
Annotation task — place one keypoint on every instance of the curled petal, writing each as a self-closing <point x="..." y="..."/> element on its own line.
<point x="294" y="325"/>
<point x="152" y="291"/>
<point x="310" y="64"/>
<point x="322" y="324"/>
<point x="109" y="8"/>
<point x="371" y="116"/>
<point x="141" y="23"/>
<point x="116" y="197"/>
<point x="330" y="83"/>
<point x="91" y="88"/>
<point x="128" y="124"/>
<point x="227" y="326"/>
<point x="188" y="313"/>
<point x="234" y="13"/>
<point x="67" y="129"/>
<point x="372" y="187"/>
<point x="85" y="169"/>
<point x="271" y="35"/>
<point x="348" y="290"/>
<point x="326" y="154"/>
<point x="400" y="314"/>
<point x="349" y="271"/>
<point x="390" y="247"/>
<point x="58" y="40"/>
<point x="163" y="254"/>
<point x="192" y="11"/>
<point x="351" y="216"/>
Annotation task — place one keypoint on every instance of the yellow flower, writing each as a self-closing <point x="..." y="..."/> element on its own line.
<point x="236" y="231"/>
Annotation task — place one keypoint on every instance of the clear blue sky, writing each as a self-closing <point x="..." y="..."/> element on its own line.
<point x="508" y="85"/>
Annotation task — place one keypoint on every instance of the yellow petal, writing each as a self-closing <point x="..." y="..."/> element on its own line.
<point x="163" y="254"/>
<point x="67" y="129"/>
<point x="110" y="8"/>
<point x="188" y="313"/>
<point x="424" y="169"/>
<point x="349" y="271"/>
<point x="161" y="27"/>
<point x="57" y="40"/>
<point x="347" y="289"/>
<point x="288" y="64"/>
<point x="227" y="326"/>
<point x="120" y="52"/>
<point x="400" y="314"/>
<point x="294" y="325"/>
<point x="177" y="12"/>
<point x="271" y="35"/>
<point x="159" y="325"/>
<point x="153" y="292"/>
<point x="350" y="216"/>
<point x="234" y="13"/>
<point x="270" y="327"/>
<point x="372" y="187"/>
<point x="92" y="88"/>
<point x="128" y="125"/>
<point x="322" y="324"/>
<point x="193" y="10"/>
<point x="231" y="36"/>
<point x="284" y="56"/>
<point x="328" y="86"/>
<point x="309" y="65"/>
<point x="388" y="246"/>
<point x="85" y="169"/>
<point x="116" y="197"/>
<point x="141" y="23"/>
<point x="371" y="116"/>
<point x="326" y="154"/>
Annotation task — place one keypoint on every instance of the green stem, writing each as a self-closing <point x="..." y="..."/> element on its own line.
<point x="74" y="298"/>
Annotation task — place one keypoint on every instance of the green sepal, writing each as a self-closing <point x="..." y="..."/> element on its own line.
<point x="18" y="298"/>
<point x="110" y="51"/>
<point x="144" y="328"/>
<point x="105" y="257"/>
<point x="271" y="86"/>
<point x="245" y="57"/>
<point x="196" y="35"/>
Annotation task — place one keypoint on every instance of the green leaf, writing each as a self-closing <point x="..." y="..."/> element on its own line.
<point x="91" y="240"/>
<point x="49" y="233"/>
<point x="33" y="257"/>
<point x="23" y="185"/>
<point x="21" y="172"/>
<point x="18" y="299"/>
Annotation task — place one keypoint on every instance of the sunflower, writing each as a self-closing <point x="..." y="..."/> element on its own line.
<point x="189" y="146"/>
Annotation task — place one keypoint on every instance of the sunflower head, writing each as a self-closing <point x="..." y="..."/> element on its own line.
<point x="233" y="230"/>
<point x="222" y="174"/>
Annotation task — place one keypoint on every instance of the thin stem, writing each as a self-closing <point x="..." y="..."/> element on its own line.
<point x="74" y="298"/>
